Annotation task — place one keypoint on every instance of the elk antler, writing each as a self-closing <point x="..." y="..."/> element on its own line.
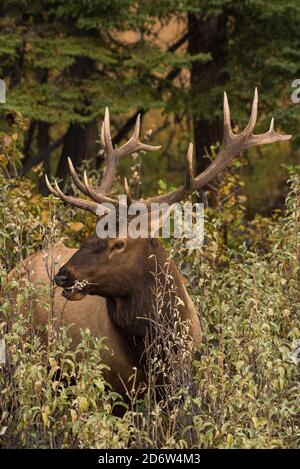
<point x="232" y="146"/>
<point x="112" y="156"/>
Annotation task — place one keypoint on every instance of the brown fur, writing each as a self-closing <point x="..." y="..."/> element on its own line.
<point x="116" y="305"/>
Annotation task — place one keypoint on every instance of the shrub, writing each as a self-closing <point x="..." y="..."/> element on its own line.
<point x="243" y="390"/>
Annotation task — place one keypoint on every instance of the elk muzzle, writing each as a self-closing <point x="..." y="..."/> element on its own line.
<point x="63" y="278"/>
<point x="67" y="281"/>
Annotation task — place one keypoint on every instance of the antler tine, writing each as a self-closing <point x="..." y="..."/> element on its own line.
<point x="102" y="134"/>
<point x="114" y="155"/>
<point x="50" y="188"/>
<point x="227" y="131"/>
<point x="189" y="167"/>
<point x="269" y="137"/>
<point x="110" y="171"/>
<point x="134" y="143"/>
<point x="96" y="196"/>
<point x="59" y="192"/>
<point x="75" y="177"/>
<point x="107" y="137"/>
<point x="86" y="189"/>
<point x="127" y="192"/>
<point x="137" y="128"/>
<point x="74" y="201"/>
<point x="134" y="138"/>
<point x="253" y="118"/>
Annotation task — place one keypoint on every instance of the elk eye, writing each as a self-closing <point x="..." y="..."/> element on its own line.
<point x="119" y="245"/>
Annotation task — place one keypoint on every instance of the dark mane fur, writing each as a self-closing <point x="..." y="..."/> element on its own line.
<point x="128" y="311"/>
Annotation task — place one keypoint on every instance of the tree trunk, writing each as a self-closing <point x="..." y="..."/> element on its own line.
<point x="43" y="141"/>
<point x="80" y="144"/>
<point x="206" y="35"/>
<point x="28" y="141"/>
<point x="42" y="138"/>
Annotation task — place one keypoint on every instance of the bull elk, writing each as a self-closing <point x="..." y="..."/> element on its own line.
<point x="115" y="275"/>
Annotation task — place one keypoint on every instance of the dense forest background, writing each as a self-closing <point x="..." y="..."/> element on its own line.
<point x="63" y="62"/>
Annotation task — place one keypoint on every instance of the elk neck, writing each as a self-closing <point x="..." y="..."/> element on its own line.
<point x="157" y="288"/>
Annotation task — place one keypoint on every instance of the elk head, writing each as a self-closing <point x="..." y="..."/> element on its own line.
<point x="113" y="267"/>
<point x="106" y="267"/>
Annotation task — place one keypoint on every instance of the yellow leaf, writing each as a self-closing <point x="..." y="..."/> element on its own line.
<point x="286" y="313"/>
<point x="6" y="141"/>
<point x="3" y="160"/>
<point x="230" y="439"/>
<point x="44" y="216"/>
<point x="52" y="362"/>
<point x="83" y="403"/>
<point x="45" y="415"/>
<point x="54" y="385"/>
<point x="73" y="415"/>
<point x="38" y="168"/>
<point x="255" y="422"/>
<point x="76" y="226"/>
<point x="19" y="300"/>
<point x="38" y="387"/>
<point x="34" y="199"/>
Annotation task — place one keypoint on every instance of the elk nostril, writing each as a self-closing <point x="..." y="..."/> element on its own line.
<point x="61" y="279"/>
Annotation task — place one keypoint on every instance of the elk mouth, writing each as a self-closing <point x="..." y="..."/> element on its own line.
<point x="73" y="294"/>
<point x="77" y="291"/>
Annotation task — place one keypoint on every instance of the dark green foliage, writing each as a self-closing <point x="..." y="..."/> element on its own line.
<point x="262" y="43"/>
<point x="89" y="66"/>
<point x="64" y="61"/>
